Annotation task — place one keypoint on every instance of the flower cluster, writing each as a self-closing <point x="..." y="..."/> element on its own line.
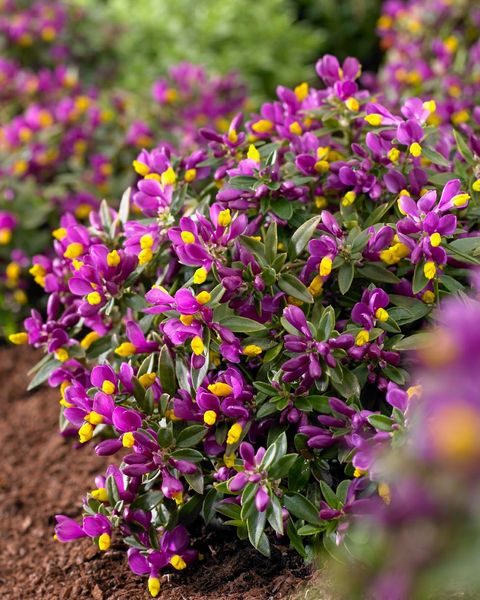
<point x="433" y="52"/>
<point x="65" y="145"/>
<point x="235" y="332"/>
<point x="430" y="476"/>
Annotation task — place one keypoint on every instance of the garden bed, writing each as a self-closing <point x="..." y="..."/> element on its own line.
<point x="38" y="481"/>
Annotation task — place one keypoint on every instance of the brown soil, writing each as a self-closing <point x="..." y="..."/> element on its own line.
<point x="42" y="475"/>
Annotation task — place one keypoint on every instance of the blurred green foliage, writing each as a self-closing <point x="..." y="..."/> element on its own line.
<point x="350" y="27"/>
<point x="263" y="41"/>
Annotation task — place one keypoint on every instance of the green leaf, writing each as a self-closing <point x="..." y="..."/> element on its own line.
<point x="301" y="507"/>
<point x="294" y="287"/>
<point x="166" y="371"/>
<point x="281" y="467"/>
<point x="463" y="148"/>
<point x="124" y="209"/>
<point x="436" y="157"/>
<point x="295" y="539"/>
<point x="419" y="279"/>
<point x="282" y="208"/>
<point x="208" y="508"/>
<point x="271" y="242"/>
<point x="255" y="527"/>
<point x="274" y="514"/>
<point x="302" y="236"/>
<point x="329" y="495"/>
<point x="377" y="272"/>
<point x="195" y="481"/>
<point x="381" y="422"/>
<point x="43" y="373"/>
<point x="190" y="436"/>
<point x="242" y="325"/>
<point x="242" y="182"/>
<point x="345" y="277"/>
<point x="413" y="342"/>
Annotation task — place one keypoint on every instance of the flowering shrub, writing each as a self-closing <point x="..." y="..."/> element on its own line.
<point x="408" y="555"/>
<point x="236" y="330"/>
<point x="64" y="146"/>
<point x="433" y="52"/>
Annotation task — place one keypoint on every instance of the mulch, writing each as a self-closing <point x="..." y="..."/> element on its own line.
<point x="41" y="474"/>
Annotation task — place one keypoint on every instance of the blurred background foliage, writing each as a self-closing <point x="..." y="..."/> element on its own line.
<point x="269" y="43"/>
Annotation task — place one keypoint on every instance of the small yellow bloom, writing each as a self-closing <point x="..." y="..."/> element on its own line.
<point x="62" y="355"/>
<point x="234" y="433"/>
<point x="252" y="350"/>
<point x="460" y="199"/>
<point x="359" y="473"/>
<point x="352" y="104"/>
<point x="325" y="266"/>
<point x="394" y="154"/>
<point x="88" y="340"/>
<point x="197" y="345"/>
<point x="429" y="269"/>
<point x="316" y="286"/>
<point x="322" y="166"/>
<point x="253" y="153"/>
<point x="203" y="297"/>
<point x="154" y="586"/>
<point x="210" y="417"/>
<point x="59" y="233"/>
<point x="145" y="256"/>
<point x="128" y="440"/>
<point x="85" y="433"/>
<point x="349" y="198"/>
<point x="200" y="275"/>
<point x="435" y="239"/>
<point x="381" y="314"/>
<point x="104" y="542"/>
<point x="320" y="201"/>
<point x="224" y="218"/>
<point x="147" y="379"/>
<point x="186" y="319"/>
<point x="187" y="237"/>
<point x="428" y="297"/>
<point x="362" y="337"/>
<point x="177" y="562"/>
<point x="232" y="136"/>
<point x="94" y="298"/>
<point x="5" y="236"/>
<point x="301" y="91"/>
<point x="94" y="418"/>
<point x="190" y="175"/>
<point x="476" y="185"/>
<point x="220" y="389"/>
<point x="73" y="250"/>
<point x="113" y="258"/>
<point x="430" y="105"/>
<point x="229" y="460"/>
<point x="262" y="126"/>
<point x="168" y="177"/>
<point x="384" y="492"/>
<point x="18" y="338"/>
<point x="295" y="128"/>
<point x="125" y="349"/>
<point x="141" y="168"/>
<point x="108" y="386"/>
<point x="415" y="149"/>
<point x="146" y="241"/>
<point x="373" y="119"/>
<point x="100" y="494"/>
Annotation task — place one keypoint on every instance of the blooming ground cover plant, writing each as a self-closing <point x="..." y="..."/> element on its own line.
<point x="65" y="145"/>
<point x="236" y="331"/>
<point x="408" y="555"/>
